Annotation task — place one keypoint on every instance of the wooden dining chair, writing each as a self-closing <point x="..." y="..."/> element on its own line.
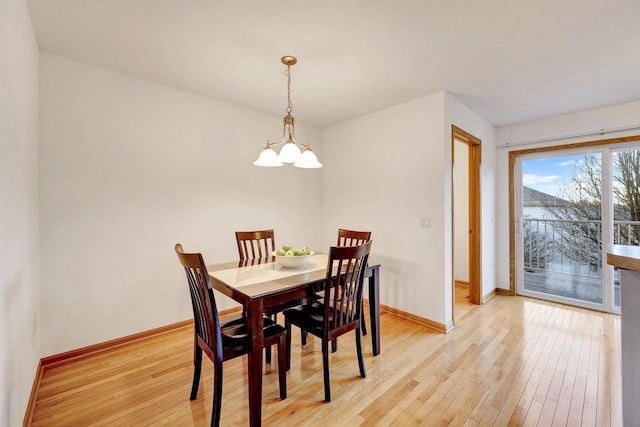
<point x="255" y="244"/>
<point x="221" y="342"/>
<point x="353" y="238"/>
<point x="338" y="314"/>
<point x="260" y="244"/>
<point x="345" y="238"/>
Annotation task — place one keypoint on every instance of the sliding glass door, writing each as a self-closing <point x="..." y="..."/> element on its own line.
<point x="561" y="227"/>
<point x="625" y="168"/>
<point x="570" y="204"/>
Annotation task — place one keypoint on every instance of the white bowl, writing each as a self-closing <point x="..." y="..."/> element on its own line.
<point x="292" y="261"/>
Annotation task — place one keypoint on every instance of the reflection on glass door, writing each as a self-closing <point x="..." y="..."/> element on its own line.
<point x="560" y="242"/>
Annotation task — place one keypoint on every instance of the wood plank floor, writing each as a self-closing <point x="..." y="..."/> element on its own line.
<point x="513" y="361"/>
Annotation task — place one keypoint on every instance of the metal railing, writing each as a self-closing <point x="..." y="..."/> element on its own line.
<point x="571" y="246"/>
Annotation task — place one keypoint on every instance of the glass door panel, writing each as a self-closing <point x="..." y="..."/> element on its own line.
<point x="626" y="205"/>
<point x="560" y="242"/>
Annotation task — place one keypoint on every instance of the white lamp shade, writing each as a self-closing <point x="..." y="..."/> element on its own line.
<point x="308" y="161"/>
<point x="290" y="153"/>
<point x="268" y="158"/>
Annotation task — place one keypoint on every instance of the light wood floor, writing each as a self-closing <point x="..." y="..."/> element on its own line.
<point x="512" y="361"/>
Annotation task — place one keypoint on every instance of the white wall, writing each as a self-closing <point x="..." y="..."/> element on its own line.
<point x="397" y="163"/>
<point x="461" y="212"/>
<point x="19" y="288"/>
<point x="558" y="127"/>
<point x="129" y="168"/>
<point x="382" y="173"/>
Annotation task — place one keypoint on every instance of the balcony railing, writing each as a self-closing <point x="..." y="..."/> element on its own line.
<point x="571" y="246"/>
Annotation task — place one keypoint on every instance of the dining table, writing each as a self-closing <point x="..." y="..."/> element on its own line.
<point x="261" y="283"/>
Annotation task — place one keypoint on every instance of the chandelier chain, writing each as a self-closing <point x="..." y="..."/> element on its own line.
<point x="289" y="103"/>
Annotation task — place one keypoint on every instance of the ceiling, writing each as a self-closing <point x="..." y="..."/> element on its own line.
<point x="508" y="60"/>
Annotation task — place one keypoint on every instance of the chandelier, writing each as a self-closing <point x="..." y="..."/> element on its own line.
<point x="292" y="152"/>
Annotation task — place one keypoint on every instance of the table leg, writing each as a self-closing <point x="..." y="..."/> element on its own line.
<point x="254" y="362"/>
<point x="374" y="309"/>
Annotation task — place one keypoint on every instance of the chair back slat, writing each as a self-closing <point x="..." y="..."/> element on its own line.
<point x="352" y="238"/>
<point x="255" y="244"/>
<point x="345" y="276"/>
<point x="205" y="312"/>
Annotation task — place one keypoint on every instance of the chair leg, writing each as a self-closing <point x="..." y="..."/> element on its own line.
<point x="334" y="345"/>
<point x="217" y="394"/>
<point x="282" y="366"/>
<point x="363" y="374"/>
<point x="303" y="337"/>
<point x="325" y="368"/>
<point x="197" y="366"/>
<point x="287" y="326"/>
<point x="362" y="324"/>
<point x="267" y="350"/>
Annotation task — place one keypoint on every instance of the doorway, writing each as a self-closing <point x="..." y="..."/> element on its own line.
<point x="466" y="233"/>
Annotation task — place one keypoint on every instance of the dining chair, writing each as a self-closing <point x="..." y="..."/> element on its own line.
<point x="353" y="238"/>
<point x="255" y="244"/>
<point x="345" y="238"/>
<point x="221" y="342"/>
<point x="338" y="314"/>
<point x="260" y="244"/>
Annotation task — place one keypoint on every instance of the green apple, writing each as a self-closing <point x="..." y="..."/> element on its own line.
<point x="302" y="251"/>
<point x="289" y="253"/>
<point x="281" y="252"/>
<point x="286" y="247"/>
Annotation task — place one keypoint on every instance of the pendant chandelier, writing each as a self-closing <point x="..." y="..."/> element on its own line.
<point x="292" y="152"/>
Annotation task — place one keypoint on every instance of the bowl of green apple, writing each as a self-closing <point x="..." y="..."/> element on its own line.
<point x="288" y="257"/>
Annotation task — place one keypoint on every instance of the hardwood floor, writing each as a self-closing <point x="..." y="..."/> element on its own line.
<point x="513" y="361"/>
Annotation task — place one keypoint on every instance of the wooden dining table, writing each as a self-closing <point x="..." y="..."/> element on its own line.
<point x="261" y="283"/>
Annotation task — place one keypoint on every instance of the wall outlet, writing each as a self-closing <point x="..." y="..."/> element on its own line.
<point x="425" y="221"/>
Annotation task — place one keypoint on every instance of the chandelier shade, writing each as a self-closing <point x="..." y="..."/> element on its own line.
<point x="268" y="159"/>
<point x="291" y="152"/>
<point x="308" y="160"/>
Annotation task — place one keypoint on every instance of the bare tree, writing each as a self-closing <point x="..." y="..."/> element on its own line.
<point x="626" y="191"/>
<point x="579" y="225"/>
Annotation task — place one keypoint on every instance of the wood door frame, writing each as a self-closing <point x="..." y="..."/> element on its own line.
<point x="475" y="214"/>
